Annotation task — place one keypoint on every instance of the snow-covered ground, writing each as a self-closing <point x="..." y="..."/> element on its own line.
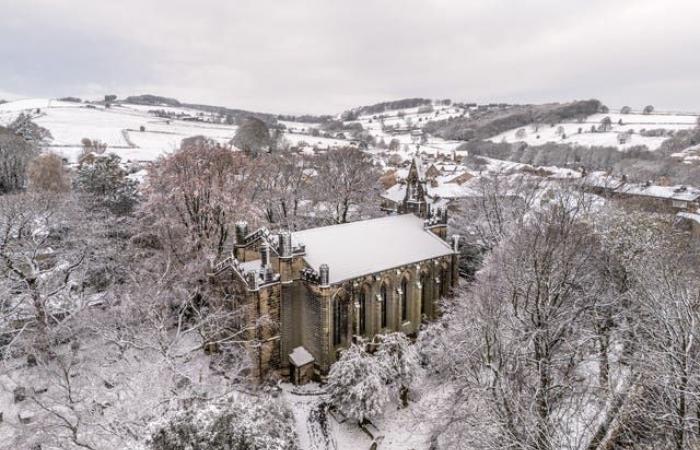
<point x="119" y="127"/>
<point x="635" y="122"/>
<point x="398" y="429"/>
<point x="690" y="155"/>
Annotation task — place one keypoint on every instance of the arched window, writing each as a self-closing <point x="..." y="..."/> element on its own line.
<point x="443" y="282"/>
<point x="383" y="300"/>
<point x="363" y="309"/>
<point x="424" y="297"/>
<point x="404" y="300"/>
<point x="340" y="320"/>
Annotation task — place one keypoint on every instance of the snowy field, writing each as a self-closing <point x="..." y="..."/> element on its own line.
<point x="119" y="127"/>
<point x="634" y="122"/>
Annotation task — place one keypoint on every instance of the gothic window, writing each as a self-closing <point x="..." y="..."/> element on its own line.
<point x="414" y="192"/>
<point x="340" y="321"/>
<point x="336" y="322"/>
<point x="383" y="301"/>
<point x="443" y="282"/>
<point x="424" y="293"/>
<point x="363" y="306"/>
<point x="404" y="300"/>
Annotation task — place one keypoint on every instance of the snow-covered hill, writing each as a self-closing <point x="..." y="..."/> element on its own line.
<point x="625" y="131"/>
<point x="118" y="126"/>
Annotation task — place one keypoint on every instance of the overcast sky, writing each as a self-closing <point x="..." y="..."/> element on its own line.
<point x="326" y="56"/>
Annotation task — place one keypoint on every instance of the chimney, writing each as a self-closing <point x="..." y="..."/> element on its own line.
<point x="264" y="255"/>
<point x="285" y="249"/>
<point x="324" y="274"/>
<point x="252" y="279"/>
<point x="241" y="231"/>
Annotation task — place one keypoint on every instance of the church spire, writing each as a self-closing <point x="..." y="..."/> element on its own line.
<point x="415" y="198"/>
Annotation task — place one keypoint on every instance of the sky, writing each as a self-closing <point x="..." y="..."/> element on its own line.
<point x="326" y="56"/>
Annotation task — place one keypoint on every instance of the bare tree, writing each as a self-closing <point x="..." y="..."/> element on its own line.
<point x="282" y="186"/>
<point x="15" y="155"/>
<point x="346" y="184"/>
<point x="45" y="285"/>
<point x="195" y="194"/>
<point x="48" y="173"/>
<point x="523" y="330"/>
<point x="667" y="292"/>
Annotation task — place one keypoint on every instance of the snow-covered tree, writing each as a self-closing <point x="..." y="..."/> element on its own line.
<point x="29" y="130"/>
<point x="516" y="339"/>
<point x="195" y="194"/>
<point x="281" y="187"/>
<point x="15" y="156"/>
<point x="666" y="291"/>
<point x="39" y="265"/>
<point x="231" y="422"/>
<point x="104" y="183"/>
<point x="252" y="137"/>
<point x="357" y="384"/>
<point x="400" y="361"/>
<point x="346" y="185"/>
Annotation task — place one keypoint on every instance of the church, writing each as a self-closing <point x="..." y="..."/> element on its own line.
<point x="310" y="294"/>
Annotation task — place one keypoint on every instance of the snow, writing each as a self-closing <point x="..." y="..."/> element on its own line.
<point x="323" y="142"/>
<point x="690" y="216"/>
<point x="398" y="429"/>
<point x="118" y="127"/>
<point x="682" y="193"/>
<point x="301" y="357"/>
<point x="366" y="247"/>
<point x="586" y="138"/>
<point x="689" y="155"/>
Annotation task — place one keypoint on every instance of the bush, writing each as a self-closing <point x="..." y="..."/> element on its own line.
<point x="47" y="173"/>
<point x="357" y="385"/>
<point x="399" y="359"/>
<point x="233" y="422"/>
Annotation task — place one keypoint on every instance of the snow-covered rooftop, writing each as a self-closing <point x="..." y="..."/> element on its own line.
<point x="301" y="357"/>
<point x="361" y="248"/>
<point x="689" y="216"/>
<point x="684" y="193"/>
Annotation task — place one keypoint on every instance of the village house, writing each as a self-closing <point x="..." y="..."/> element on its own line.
<point x="433" y="186"/>
<point x="646" y="196"/>
<point x="311" y="293"/>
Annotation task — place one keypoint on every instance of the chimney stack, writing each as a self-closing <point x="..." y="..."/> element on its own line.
<point x="324" y="275"/>
<point x="285" y="249"/>
<point x="241" y="231"/>
<point x="264" y="255"/>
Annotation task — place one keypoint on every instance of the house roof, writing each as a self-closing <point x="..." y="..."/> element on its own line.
<point x="689" y="216"/>
<point x="670" y="192"/>
<point x="362" y="248"/>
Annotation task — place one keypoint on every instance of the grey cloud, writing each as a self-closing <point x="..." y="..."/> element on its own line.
<point x="325" y="56"/>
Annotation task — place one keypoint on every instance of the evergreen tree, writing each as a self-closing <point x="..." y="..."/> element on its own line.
<point x="105" y="183"/>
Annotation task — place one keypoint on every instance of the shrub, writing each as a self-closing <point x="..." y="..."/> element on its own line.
<point x="357" y="385"/>
<point x="232" y="422"/>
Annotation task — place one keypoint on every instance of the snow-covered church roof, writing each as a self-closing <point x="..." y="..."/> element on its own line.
<point x="362" y="248"/>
